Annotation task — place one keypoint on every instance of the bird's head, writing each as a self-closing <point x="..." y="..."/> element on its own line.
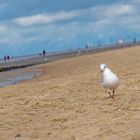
<point x="103" y="67"/>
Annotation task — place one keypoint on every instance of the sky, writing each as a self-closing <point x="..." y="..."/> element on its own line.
<point x="29" y="26"/>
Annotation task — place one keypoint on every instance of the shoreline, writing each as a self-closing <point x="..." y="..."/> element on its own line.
<point x="17" y="76"/>
<point x="15" y="72"/>
<point x="27" y="61"/>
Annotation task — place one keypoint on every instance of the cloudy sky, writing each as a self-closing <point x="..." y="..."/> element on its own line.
<point x="29" y="26"/>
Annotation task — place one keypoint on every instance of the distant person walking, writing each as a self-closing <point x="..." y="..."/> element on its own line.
<point x="44" y="52"/>
<point x="5" y="58"/>
<point x="134" y="40"/>
<point x="8" y="57"/>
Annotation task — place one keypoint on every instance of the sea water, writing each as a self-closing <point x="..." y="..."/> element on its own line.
<point x="18" y="79"/>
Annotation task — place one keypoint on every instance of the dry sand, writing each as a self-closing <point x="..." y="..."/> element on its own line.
<point x="67" y="102"/>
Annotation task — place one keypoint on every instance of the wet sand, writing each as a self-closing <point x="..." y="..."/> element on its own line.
<point x="18" y="75"/>
<point x="67" y="102"/>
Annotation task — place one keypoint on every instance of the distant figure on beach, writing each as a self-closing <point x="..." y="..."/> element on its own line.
<point x="5" y="58"/>
<point x="44" y="52"/>
<point x="79" y="52"/>
<point x="134" y="40"/>
<point x="8" y="57"/>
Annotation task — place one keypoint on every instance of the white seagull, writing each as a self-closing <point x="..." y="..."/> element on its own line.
<point x="110" y="80"/>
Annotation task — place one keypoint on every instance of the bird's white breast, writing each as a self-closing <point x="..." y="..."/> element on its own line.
<point x="110" y="80"/>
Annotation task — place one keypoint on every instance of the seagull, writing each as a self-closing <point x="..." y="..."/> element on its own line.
<point x="110" y="80"/>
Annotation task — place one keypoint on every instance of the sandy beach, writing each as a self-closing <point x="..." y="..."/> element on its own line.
<point x="67" y="101"/>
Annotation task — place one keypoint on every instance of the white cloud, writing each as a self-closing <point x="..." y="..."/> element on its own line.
<point x="2" y="28"/>
<point x="9" y="35"/>
<point x="114" y="10"/>
<point x="5" y="41"/>
<point x="100" y="20"/>
<point x="136" y="1"/>
<point x="3" y="6"/>
<point x="98" y="12"/>
<point x="119" y="10"/>
<point x="45" y="18"/>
